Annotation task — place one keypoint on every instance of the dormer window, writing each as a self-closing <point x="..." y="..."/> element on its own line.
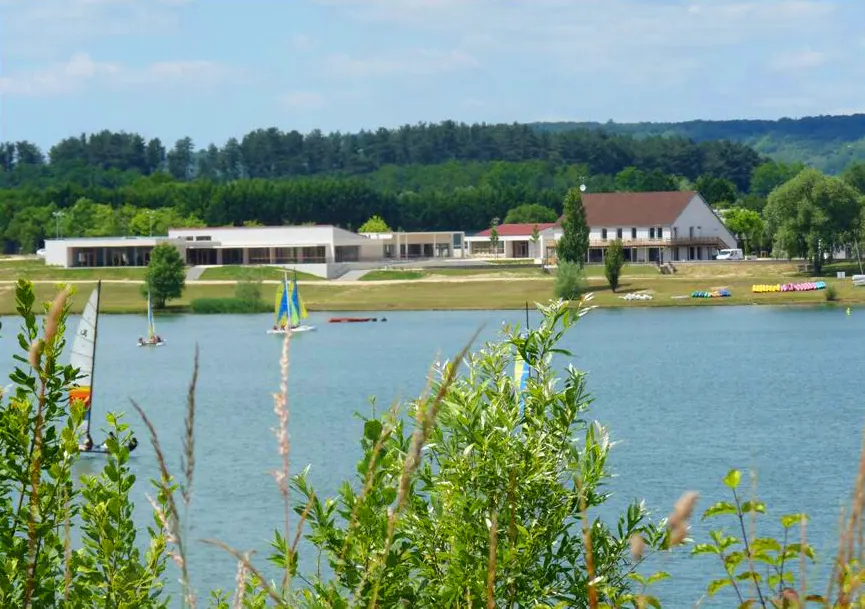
<point x="604" y="234"/>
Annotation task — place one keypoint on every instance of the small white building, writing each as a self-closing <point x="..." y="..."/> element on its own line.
<point x="514" y="241"/>
<point x="653" y="227"/>
<point x="411" y="246"/>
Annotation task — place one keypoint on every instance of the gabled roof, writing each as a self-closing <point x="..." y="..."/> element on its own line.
<point x="635" y="208"/>
<point x="516" y="230"/>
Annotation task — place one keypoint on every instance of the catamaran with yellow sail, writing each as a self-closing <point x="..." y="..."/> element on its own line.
<point x="289" y="309"/>
<point x="153" y="339"/>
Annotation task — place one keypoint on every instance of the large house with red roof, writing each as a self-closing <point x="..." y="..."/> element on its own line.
<point x="653" y="226"/>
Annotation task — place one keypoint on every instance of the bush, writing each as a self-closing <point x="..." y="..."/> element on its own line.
<point x="613" y="263"/>
<point x="248" y="290"/>
<point x="570" y="282"/>
<point x="831" y="293"/>
<point x="228" y="305"/>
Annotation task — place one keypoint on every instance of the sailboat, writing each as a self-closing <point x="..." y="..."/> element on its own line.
<point x="84" y="358"/>
<point x="152" y="339"/>
<point x="289" y="309"/>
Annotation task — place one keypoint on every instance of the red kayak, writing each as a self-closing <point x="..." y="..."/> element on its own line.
<point x="352" y="320"/>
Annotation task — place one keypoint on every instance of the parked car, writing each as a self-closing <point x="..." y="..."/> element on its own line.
<point x="730" y="254"/>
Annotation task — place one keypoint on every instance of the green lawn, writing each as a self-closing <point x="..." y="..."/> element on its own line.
<point x="357" y="296"/>
<point x="385" y="275"/>
<point x="36" y="269"/>
<point x="253" y="273"/>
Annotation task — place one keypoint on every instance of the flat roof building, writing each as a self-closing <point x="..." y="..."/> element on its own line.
<point x="324" y="250"/>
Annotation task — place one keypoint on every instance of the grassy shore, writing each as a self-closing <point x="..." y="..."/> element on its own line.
<point x="451" y="288"/>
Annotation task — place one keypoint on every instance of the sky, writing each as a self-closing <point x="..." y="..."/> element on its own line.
<point x="214" y="69"/>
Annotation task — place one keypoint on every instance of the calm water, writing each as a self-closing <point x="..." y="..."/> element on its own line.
<point x="688" y="393"/>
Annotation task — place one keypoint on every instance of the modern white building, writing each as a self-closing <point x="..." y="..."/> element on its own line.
<point x="653" y="227"/>
<point x="326" y="251"/>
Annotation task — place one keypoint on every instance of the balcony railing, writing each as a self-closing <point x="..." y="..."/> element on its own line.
<point x="662" y="242"/>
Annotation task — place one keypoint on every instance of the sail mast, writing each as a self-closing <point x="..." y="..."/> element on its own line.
<point x="151" y="326"/>
<point x="93" y="362"/>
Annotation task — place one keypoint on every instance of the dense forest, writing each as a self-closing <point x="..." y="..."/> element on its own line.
<point x="427" y="176"/>
<point x="828" y="143"/>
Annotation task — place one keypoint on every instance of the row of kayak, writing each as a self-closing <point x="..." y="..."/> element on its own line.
<point x="806" y="286"/>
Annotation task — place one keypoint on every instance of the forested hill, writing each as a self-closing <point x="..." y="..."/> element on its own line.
<point x="421" y="177"/>
<point x="829" y="143"/>
<point x="272" y="153"/>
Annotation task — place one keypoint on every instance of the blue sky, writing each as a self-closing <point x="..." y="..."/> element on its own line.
<point x="212" y="69"/>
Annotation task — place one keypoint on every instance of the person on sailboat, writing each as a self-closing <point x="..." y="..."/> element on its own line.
<point x="88" y="443"/>
<point x="140" y="341"/>
<point x="158" y="339"/>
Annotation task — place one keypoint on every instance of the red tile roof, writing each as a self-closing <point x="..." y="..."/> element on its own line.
<point x="517" y="230"/>
<point x="611" y="209"/>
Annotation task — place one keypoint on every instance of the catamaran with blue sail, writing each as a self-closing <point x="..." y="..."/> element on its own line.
<point x="289" y="309"/>
<point x="153" y="339"/>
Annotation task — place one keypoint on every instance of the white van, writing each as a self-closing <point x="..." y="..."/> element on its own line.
<point x="731" y="254"/>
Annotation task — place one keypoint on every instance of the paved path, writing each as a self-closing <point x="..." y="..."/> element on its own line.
<point x="353" y="275"/>
<point x="194" y="273"/>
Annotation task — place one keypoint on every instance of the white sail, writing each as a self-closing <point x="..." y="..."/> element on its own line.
<point x="84" y="345"/>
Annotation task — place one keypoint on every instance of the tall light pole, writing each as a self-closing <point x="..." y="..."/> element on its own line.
<point x="150" y="215"/>
<point x="57" y="215"/>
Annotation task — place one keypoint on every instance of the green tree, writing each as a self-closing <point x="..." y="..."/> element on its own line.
<point x="614" y="260"/>
<point x="716" y="191"/>
<point x="165" y="276"/>
<point x="768" y="176"/>
<point x="535" y="237"/>
<point x="574" y="243"/>
<point x="855" y="176"/>
<point x="811" y="213"/>
<point x="530" y="213"/>
<point x="494" y="236"/>
<point x="748" y="224"/>
<point x="374" y="224"/>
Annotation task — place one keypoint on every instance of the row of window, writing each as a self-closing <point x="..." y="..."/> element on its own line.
<point x="659" y="231"/>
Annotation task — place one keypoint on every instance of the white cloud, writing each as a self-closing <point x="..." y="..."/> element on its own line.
<point x="301" y="42"/>
<point x="797" y="61"/>
<point x="416" y="63"/>
<point x="82" y="71"/>
<point x="307" y="100"/>
<point x="633" y="39"/>
<point x="46" y="27"/>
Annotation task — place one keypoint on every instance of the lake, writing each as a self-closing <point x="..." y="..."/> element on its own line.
<point x="688" y="393"/>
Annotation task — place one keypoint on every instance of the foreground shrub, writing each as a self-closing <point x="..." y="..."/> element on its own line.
<point x="570" y="281"/>
<point x="831" y="293"/>
<point x="41" y="507"/>
<point x="488" y="498"/>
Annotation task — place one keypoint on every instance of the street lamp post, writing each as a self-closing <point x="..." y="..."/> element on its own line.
<point x="57" y="215"/>
<point x="150" y="215"/>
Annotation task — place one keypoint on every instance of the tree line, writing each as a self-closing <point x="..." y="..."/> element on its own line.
<point x="107" y="157"/>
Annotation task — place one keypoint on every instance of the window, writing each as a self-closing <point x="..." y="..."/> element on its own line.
<point x="604" y="233"/>
<point x="618" y="233"/>
<point x="202" y="238"/>
<point x="634" y="233"/>
<point x="660" y="232"/>
<point x="652" y="233"/>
